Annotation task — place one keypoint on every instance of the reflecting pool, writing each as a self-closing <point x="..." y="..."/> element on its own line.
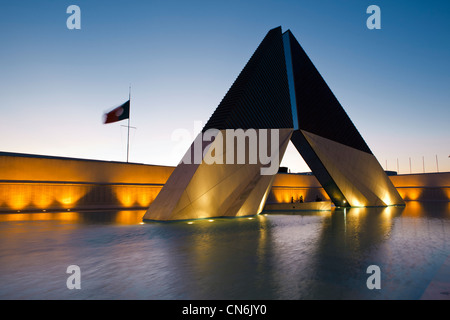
<point x="276" y="255"/>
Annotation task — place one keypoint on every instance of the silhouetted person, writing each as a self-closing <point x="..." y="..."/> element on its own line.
<point x="301" y="199"/>
<point x="318" y="198"/>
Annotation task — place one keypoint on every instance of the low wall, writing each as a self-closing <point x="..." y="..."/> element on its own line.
<point x="38" y="183"/>
<point x="419" y="187"/>
<point x="423" y="187"/>
<point x="290" y="187"/>
<point x="30" y="182"/>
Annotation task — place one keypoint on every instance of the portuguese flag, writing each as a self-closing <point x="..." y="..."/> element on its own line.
<point x="122" y="112"/>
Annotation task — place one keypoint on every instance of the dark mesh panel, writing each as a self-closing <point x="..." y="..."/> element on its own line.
<point x="318" y="110"/>
<point x="259" y="98"/>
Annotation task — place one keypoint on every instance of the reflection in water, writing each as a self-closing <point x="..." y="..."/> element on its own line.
<point x="344" y="251"/>
<point x="82" y="217"/>
<point x="307" y="255"/>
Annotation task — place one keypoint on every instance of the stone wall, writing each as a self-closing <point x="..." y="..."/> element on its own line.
<point x="38" y="183"/>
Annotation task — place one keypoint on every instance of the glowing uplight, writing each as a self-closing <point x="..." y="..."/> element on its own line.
<point x="17" y="197"/>
<point x="125" y="195"/>
<point x="69" y="195"/>
<point x="146" y="195"/>
<point x="190" y="222"/>
<point x="210" y="220"/>
<point x="356" y="203"/>
<point x="66" y="201"/>
<point x="18" y="201"/>
<point x="410" y="193"/>
<point x="43" y="198"/>
<point x="263" y="201"/>
<point x="130" y="196"/>
<point x="387" y="199"/>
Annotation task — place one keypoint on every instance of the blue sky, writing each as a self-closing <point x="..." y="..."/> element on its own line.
<point x="181" y="57"/>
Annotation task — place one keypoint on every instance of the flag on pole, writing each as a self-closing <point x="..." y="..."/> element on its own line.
<point x="122" y="112"/>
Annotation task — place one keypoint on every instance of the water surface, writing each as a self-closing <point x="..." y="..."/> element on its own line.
<point x="312" y="255"/>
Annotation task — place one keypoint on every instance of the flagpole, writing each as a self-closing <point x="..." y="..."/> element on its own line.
<point x="129" y="115"/>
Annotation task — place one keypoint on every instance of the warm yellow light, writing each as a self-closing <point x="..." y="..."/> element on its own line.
<point x="18" y="202"/>
<point x="356" y="203"/>
<point x="17" y="196"/>
<point x="128" y="216"/>
<point x="69" y="195"/>
<point x="126" y="195"/>
<point x="210" y="220"/>
<point x="387" y="200"/>
<point x="190" y="222"/>
<point x="410" y="193"/>
<point x="261" y="217"/>
<point x="356" y="211"/>
<point x="413" y="209"/>
<point x="42" y="216"/>
<point x="387" y="212"/>
<point x="41" y="196"/>
<point x="130" y="196"/>
<point x="146" y="195"/>
<point x="65" y="216"/>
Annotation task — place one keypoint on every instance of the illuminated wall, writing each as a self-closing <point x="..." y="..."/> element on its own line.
<point x="23" y="167"/>
<point x="423" y="187"/>
<point x="42" y="183"/>
<point x="418" y="187"/>
<point x="34" y="183"/>
<point x="290" y="187"/>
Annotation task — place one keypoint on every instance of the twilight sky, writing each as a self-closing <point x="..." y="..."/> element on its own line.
<point x="181" y="57"/>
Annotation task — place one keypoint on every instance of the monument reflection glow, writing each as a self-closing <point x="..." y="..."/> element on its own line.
<point x="281" y="255"/>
